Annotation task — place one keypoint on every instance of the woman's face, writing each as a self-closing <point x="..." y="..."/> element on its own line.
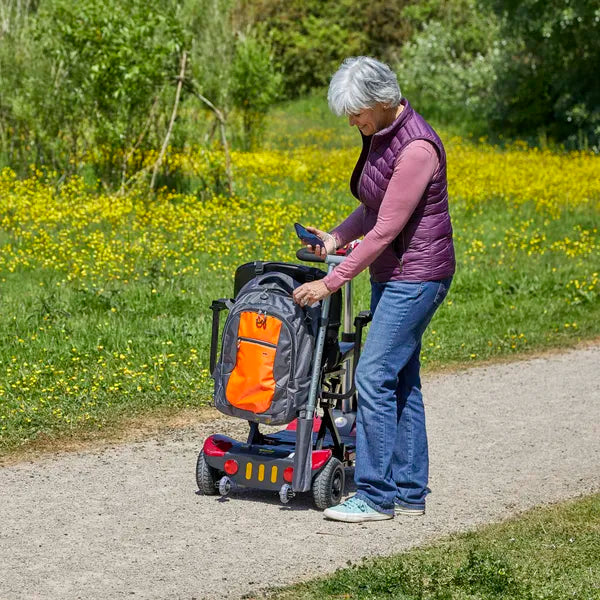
<point x="372" y="120"/>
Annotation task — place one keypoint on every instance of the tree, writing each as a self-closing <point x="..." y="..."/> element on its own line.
<point x="15" y="61"/>
<point x="109" y="63"/>
<point x="547" y="80"/>
<point x="447" y="67"/>
<point x="310" y="38"/>
<point x="92" y="81"/>
<point x="255" y="85"/>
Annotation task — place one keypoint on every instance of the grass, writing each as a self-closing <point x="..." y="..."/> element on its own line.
<point x="306" y="122"/>
<point x="104" y="312"/>
<point x="549" y="553"/>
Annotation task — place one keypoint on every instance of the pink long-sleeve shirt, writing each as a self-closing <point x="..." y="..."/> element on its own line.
<point x="413" y="170"/>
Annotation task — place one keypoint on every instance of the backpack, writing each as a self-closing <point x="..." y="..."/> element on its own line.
<point x="264" y="370"/>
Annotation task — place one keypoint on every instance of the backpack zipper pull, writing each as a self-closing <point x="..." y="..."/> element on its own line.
<point x="261" y="320"/>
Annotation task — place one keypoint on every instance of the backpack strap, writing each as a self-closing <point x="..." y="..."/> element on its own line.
<point x="259" y="267"/>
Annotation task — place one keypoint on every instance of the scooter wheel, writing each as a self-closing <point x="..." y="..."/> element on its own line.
<point x="286" y="493"/>
<point x="328" y="484"/>
<point x="207" y="478"/>
<point x="224" y="485"/>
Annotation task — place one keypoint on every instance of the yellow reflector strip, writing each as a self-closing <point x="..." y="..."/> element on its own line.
<point x="273" y="474"/>
<point x="248" y="470"/>
<point x="261" y="472"/>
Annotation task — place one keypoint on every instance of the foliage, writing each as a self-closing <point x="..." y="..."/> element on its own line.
<point x="211" y="40"/>
<point x="310" y="39"/>
<point x="15" y="59"/>
<point x="547" y="82"/>
<point x="255" y="85"/>
<point x="310" y="51"/>
<point x="77" y="76"/>
<point x="447" y="67"/>
<point x="99" y="67"/>
<point x="81" y="76"/>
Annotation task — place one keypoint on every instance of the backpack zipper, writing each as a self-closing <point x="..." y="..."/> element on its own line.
<point x="258" y="342"/>
<point x="287" y="327"/>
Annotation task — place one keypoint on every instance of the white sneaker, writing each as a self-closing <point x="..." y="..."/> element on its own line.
<point x="400" y="509"/>
<point x="354" y="510"/>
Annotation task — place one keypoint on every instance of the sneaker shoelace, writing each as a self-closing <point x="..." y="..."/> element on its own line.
<point x="356" y="503"/>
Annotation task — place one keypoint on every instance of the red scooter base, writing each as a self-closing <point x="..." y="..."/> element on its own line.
<point x="225" y="463"/>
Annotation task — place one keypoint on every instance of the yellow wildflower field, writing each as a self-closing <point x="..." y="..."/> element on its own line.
<point x="105" y="295"/>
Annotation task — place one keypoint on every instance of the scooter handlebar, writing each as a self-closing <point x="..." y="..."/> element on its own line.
<point x="331" y="259"/>
<point x="304" y="255"/>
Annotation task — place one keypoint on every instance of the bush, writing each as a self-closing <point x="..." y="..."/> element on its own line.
<point x="97" y="79"/>
<point x="447" y="68"/>
<point x="255" y="86"/>
<point x="89" y="75"/>
<point x="309" y="52"/>
<point x="547" y="84"/>
<point x="311" y="38"/>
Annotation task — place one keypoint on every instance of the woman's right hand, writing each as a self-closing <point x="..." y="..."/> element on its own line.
<point x="329" y="241"/>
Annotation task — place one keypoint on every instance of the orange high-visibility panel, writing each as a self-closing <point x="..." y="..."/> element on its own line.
<point x="251" y="384"/>
<point x="259" y="327"/>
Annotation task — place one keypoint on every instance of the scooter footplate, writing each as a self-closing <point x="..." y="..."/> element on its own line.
<point x="287" y="436"/>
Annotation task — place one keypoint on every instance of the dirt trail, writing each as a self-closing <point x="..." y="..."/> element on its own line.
<point x="126" y="522"/>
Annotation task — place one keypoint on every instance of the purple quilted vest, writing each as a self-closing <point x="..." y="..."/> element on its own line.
<point x="424" y="250"/>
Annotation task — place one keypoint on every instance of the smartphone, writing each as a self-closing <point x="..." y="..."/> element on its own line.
<point x="307" y="237"/>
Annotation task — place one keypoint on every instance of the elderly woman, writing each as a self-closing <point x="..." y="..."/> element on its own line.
<point x="400" y="181"/>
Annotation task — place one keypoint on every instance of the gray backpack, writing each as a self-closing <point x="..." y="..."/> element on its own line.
<point x="264" y="370"/>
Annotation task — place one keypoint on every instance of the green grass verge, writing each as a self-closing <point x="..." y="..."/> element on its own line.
<point x="550" y="553"/>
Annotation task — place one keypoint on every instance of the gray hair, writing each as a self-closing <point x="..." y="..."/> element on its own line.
<point x="362" y="82"/>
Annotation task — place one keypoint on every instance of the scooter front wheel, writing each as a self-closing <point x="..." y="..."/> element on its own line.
<point x="328" y="484"/>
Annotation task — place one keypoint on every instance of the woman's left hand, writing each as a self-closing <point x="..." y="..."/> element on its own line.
<point x="311" y="292"/>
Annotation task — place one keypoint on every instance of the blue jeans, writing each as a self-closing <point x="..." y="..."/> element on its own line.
<point x="392" y="462"/>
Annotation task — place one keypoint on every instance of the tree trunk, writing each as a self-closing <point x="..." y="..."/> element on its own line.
<point x="173" y="115"/>
<point x="222" y="126"/>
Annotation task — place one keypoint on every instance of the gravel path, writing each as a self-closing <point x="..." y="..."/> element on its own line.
<point x="126" y="522"/>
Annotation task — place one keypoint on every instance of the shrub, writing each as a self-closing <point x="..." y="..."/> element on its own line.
<point x="547" y="75"/>
<point x="447" y="68"/>
<point x="311" y="38"/>
<point x="255" y="85"/>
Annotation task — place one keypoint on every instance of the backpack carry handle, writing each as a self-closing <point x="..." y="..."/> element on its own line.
<point x="279" y="281"/>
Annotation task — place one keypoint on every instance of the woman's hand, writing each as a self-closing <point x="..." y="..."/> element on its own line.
<point x="329" y="241"/>
<point x="311" y="292"/>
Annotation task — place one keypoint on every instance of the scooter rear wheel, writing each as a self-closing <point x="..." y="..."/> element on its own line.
<point x="328" y="484"/>
<point x="207" y="478"/>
